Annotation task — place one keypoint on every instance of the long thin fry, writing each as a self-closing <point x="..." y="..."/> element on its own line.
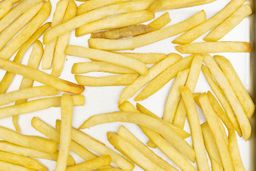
<point x="160" y="22"/>
<point x="5" y="7"/>
<point x="147" y="58"/>
<point x="8" y="166"/>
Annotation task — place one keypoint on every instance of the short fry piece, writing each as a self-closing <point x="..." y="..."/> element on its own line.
<point x="147" y="58"/>
<point x="9" y="166"/>
<point x="160" y="22"/>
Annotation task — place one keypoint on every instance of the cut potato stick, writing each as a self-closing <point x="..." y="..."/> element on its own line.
<point x="215" y="124"/>
<point x="126" y="134"/>
<point x="101" y="149"/>
<point x="62" y="42"/>
<point x="14" y="44"/>
<point x="163" y="78"/>
<point x="149" y="38"/>
<point x="5" y="7"/>
<point x="143" y="120"/>
<point x="230" y="95"/>
<point x="36" y="105"/>
<point x="132" y="152"/>
<point x="237" y="85"/>
<point x="211" y="147"/>
<point x="109" y="57"/>
<point x="153" y="72"/>
<point x="93" y="16"/>
<point x="221" y="97"/>
<point x="8" y="166"/>
<point x="56" y="20"/>
<point x="230" y="23"/>
<point x="215" y="47"/>
<point x="21" y="161"/>
<point x="65" y="131"/>
<point x="92" y="164"/>
<point x="85" y="67"/>
<point x="51" y="133"/>
<point x="116" y="21"/>
<point x="209" y="24"/>
<point x="147" y="58"/>
<point x="41" y="77"/>
<point x="160" y="22"/>
<point x="114" y="80"/>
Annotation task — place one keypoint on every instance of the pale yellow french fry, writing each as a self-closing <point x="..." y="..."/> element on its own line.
<point x="114" y="80"/>
<point x="110" y="169"/>
<point x="221" y="97"/>
<point x="92" y="164"/>
<point x="215" y="124"/>
<point x="94" y="15"/>
<point x="131" y="151"/>
<point x="50" y="46"/>
<point x="21" y="161"/>
<point x="62" y="42"/>
<point x="109" y="57"/>
<point x="164" y="77"/>
<point x="160" y="22"/>
<point x="147" y="58"/>
<point x="26" y="33"/>
<point x="230" y="23"/>
<point x="8" y="166"/>
<point x="209" y="24"/>
<point x="116" y="21"/>
<point x="195" y="128"/>
<point x="143" y="120"/>
<point x="215" y="47"/>
<point x="5" y="7"/>
<point x="149" y="38"/>
<point x="230" y="95"/>
<point x="211" y="147"/>
<point x="153" y="72"/>
<point x="236" y="84"/>
<point x="101" y="149"/>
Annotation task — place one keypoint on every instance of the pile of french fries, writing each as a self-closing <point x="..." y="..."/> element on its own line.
<point x="116" y="25"/>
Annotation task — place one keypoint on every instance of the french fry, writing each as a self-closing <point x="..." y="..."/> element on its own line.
<point x="110" y="169"/>
<point x="106" y="56"/>
<point x="40" y="76"/>
<point x="50" y="46"/>
<point x="93" y="16"/>
<point x="230" y="95"/>
<point x="221" y="97"/>
<point x="129" y="150"/>
<point x="163" y="78"/>
<point x="160" y="22"/>
<point x="9" y="166"/>
<point x="62" y="42"/>
<point x="116" y="21"/>
<point x="147" y="58"/>
<point x="153" y="72"/>
<point x="114" y="80"/>
<point x="149" y="38"/>
<point x="196" y="132"/>
<point x="211" y="147"/>
<point x="52" y="134"/>
<point x="92" y="164"/>
<point x="231" y="22"/>
<point x="26" y="33"/>
<point x="215" y="124"/>
<point x="236" y="84"/>
<point x="215" y="47"/>
<point x="5" y="7"/>
<point x="21" y="161"/>
<point x="143" y="120"/>
<point x="209" y="24"/>
<point x="101" y="149"/>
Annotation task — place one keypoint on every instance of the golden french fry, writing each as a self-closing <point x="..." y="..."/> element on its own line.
<point x="153" y="72"/>
<point x="209" y="24"/>
<point x="94" y="15"/>
<point x="62" y="42"/>
<point x="92" y="164"/>
<point x="163" y="78"/>
<point x="9" y="166"/>
<point x="5" y="7"/>
<point x="143" y="120"/>
<point x="147" y="58"/>
<point x="50" y="46"/>
<point x="116" y="21"/>
<point x="215" y="124"/>
<point x="215" y="47"/>
<point x="129" y="150"/>
<point x="114" y="80"/>
<point x="230" y="95"/>
<point x="196" y="132"/>
<point x="149" y="38"/>
<point x="160" y="22"/>
<point x="237" y="85"/>
<point x="227" y="25"/>
<point x="106" y="56"/>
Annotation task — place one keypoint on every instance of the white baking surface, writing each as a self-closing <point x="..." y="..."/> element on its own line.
<point x="104" y="99"/>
